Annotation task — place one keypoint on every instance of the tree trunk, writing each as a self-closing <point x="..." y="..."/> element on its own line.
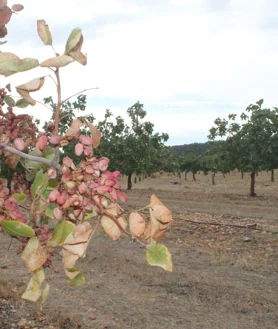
<point x="185" y="175"/>
<point x="223" y="175"/>
<point x="140" y="178"/>
<point x="135" y="179"/>
<point x="179" y="174"/>
<point x="129" y="182"/>
<point x="257" y="173"/>
<point x="242" y="174"/>
<point x="213" y="178"/>
<point x="272" y="175"/>
<point x="252" y="183"/>
<point x="194" y="178"/>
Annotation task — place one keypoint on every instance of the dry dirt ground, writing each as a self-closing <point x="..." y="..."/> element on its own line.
<point x="225" y="254"/>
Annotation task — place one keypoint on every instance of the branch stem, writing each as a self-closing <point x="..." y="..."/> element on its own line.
<point x="51" y="163"/>
<point x="80" y="92"/>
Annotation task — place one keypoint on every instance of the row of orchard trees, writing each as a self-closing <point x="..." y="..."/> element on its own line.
<point x="248" y="143"/>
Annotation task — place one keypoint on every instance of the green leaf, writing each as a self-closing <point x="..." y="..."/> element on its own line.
<point x="89" y="214"/>
<point x="52" y="184"/>
<point x="49" y="210"/>
<point x="21" y="103"/>
<point x="44" y="32"/>
<point x="158" y="255"/>
<point x="15" y="228"/>
<point x="9" y="101"/>
<point x="20" y="197"/>
<point x="61" y="232"/>
<point x="30" y="176"/>
<point x="78" y="280"/>
<point x="73" y="40"/>
<point x="37" y="185"/>
<point x="48" y="153"/>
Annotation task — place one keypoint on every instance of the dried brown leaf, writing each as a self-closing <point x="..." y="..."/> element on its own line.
<point x="162" y="214"/>
<point x="57" y="62"/>
<point x="155" y="201"/>
<point x="96" y="134"/>
<point x="74" y="128"/>
<point x="137" y="224"/>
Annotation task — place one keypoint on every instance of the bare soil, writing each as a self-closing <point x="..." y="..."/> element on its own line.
<point x="224" y="246"/>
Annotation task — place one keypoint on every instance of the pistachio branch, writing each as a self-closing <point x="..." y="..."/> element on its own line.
<point x="50" y="163"/>
<point x="80" y="92"/>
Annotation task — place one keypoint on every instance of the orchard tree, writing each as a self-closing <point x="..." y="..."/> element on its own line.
<point x="67" y="202"/>
<point x="132" y="148"/>
<point x="190" y="163"/>
<point x="250" y="144"/>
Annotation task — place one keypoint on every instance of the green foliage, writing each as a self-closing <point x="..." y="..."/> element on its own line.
<point x="251" y="142"/>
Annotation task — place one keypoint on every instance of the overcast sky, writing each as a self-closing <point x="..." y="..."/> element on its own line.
<point x="187" y="61"/>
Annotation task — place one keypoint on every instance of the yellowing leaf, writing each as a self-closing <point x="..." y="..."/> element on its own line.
<point x="61" y="232"/>
<point x="33" y="291"/>
<point x="76" y="243"/>
<point x="58" y="61"/>
<point x="34" y="254"/>
<point x="10" y="64"/>
<point x="75" y="277"/>
<point x="74" y="41"/>
<point x="44" y="32"/>
<point x="137" y="224"/>
<point x="45" y="293"/>
<point x="79" y="57"/>
<point x="158" y="255"/>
